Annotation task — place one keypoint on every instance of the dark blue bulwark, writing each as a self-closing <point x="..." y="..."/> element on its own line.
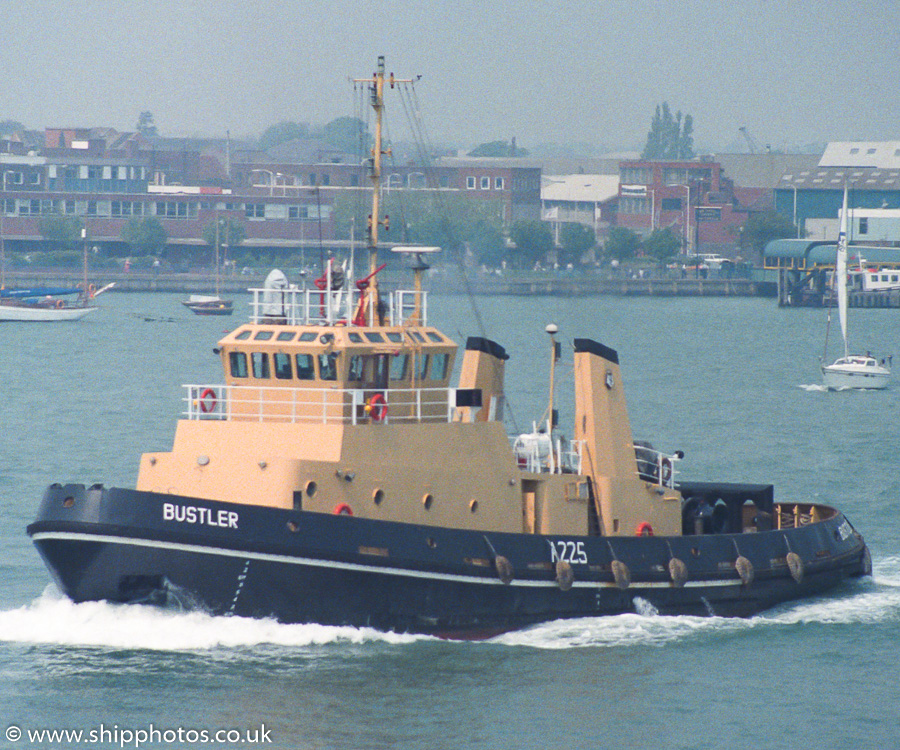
<point x="130" y="546"/>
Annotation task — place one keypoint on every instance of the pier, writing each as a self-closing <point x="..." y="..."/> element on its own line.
<point x="576" y="285"/>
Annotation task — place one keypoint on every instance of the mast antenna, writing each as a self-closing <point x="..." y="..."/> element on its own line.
<point x="375" y="220"/>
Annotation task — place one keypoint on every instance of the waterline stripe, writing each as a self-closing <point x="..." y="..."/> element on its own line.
<point x="356" y="567"/>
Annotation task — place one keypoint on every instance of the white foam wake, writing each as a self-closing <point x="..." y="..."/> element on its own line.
<point x="872" y="601"/>
<point x="54" y="619"/>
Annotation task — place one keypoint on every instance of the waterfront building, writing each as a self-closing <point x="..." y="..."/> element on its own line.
<point x="588" y="199"/>
<point x="694" y="199"/>
<point x="284" y="200"/>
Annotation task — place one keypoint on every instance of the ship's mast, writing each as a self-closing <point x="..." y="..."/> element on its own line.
<point x="376" y="90"/>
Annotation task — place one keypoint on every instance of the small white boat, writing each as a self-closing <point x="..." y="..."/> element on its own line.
<point x="851" y="371"/>
<point x="857" y="372"/>
<point x="206" y="304"/>
<point x="203" y="304"/>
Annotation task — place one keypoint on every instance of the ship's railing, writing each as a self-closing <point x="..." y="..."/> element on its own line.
<point x="321" y="405"/>
<point x="655" y="466"/>
<point x="538" y="453"/>
<point x="320" y="307"/>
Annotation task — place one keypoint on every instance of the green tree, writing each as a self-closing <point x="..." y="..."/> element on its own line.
<point x="662" y="244"/>
<point x="669" y="137"/>
<point x="417" y="217"/>
<point x="533" y="240"/>
<point x="145" y="125"/>
<point x="487" y="243"/>
<point x="498" y="148"/>
<point x="8" y="127"/>
<point x="282" y="132"/>
<point x="761" y="229"/>
<point x="621" y="244"/>
<point x="231" y="233"/>
<point x="575" y="240"/>
<point x="61" y="232"/>
<point x="145" y="236"/>
<point x="348" y="134"/>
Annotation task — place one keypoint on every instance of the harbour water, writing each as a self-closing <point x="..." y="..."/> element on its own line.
<point x="732" y="382"/>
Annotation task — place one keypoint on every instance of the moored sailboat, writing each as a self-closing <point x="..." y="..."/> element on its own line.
<point x="206" y="304"/>
<point x="47" y="304"/>
<point x="851" y="370"/>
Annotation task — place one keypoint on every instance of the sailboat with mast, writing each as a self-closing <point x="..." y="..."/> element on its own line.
<point x="206" y="304"/>
<point x="47" y="304"/>
<point x="850" y="370"/>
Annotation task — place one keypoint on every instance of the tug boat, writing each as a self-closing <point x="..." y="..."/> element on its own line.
<point x="336" y="476"/>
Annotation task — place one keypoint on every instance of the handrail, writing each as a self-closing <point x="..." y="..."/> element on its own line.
<point x="293" y="306"/>
<point x="655" y="466"/>
<point x="224" y="402"/>
<point x="538" y="454"/>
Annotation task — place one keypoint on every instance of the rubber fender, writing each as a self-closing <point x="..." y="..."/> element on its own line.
<point x="795" y="565"/>
<point x="565" y="576"/>
<point x="678" y="572"/>
<point x="504" y="569"/>
<point x="744" y="569"/>
<point x="621" y="574"/>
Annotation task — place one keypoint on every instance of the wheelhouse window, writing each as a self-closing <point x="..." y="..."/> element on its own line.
<point x="439" y="366"/>
<point x="260" y="362"/>
<point x="328" y="366"/>
<point x="423" y="366"/>
<point x="237" y="362"/>
<point x="306" y="370"/>
<point x="399" y="366"/>
<point x="357" y="368"/>
<point x="282" y="362"/>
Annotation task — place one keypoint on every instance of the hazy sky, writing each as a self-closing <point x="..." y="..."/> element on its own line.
<point x="792" y="72"/>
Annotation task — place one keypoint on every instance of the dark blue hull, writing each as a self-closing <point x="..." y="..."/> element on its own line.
<point x="130" y="546"/>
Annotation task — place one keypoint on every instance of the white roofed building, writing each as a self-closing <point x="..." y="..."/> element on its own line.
<point x="588" y="199"/>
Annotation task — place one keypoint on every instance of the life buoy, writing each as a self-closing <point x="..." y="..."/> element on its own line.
<point x="59" y="304"/>
<point x="377" y="408"/>
<point x="643" y="529"/>
<point x="342" y="509"/>
<point x="208" y="401"/>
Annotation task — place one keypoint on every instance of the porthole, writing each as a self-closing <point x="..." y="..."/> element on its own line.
<point x="292" y="527"/>
<point x="427" y="500"/>
<point x="378" y="496"/>
<point x="430" y="542"/>
<point x="68" y="502"/>
<point x="311" y="488"/>
<point x="473" y="505"/>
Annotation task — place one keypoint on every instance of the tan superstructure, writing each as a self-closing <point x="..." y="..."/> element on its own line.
<point x="363" y="420"/>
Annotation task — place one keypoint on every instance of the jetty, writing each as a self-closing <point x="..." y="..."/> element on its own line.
<point x="440" y="282"/>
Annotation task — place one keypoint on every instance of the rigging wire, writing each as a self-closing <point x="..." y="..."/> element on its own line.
<point x="424" y="148"/>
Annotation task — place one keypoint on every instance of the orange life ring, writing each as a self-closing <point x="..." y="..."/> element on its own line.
<point x="208" y="401"/>
<point x="342" y="509"/>
<point x="377" y="408"/>
<point x="59" y="304"/>
<point x="644" y="529"/>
